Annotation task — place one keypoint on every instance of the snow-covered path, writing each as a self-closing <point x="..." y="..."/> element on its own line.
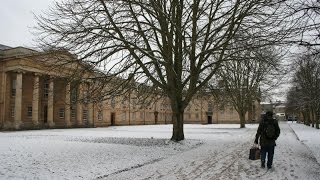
<point x="144" y="152"/>
<point x="228" y="159"/>
<point x="212" y="159"/>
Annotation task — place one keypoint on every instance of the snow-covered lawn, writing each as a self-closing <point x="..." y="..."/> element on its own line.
<point x="145" y="152"/>
<point x="309" y="136"/>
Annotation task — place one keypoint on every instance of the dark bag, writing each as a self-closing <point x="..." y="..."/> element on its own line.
<point x="254" y="153"/>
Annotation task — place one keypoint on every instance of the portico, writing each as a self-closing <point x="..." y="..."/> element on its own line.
<point x="31" y="97"/>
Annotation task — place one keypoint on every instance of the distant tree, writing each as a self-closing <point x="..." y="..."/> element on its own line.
<point x="174" y="46"/>
<point x="307" y="81"/>
<point x="243" y="75"/>
<point x="293" y="105"/>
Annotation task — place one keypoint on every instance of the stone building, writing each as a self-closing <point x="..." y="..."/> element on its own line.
<point x="33" y="96"/>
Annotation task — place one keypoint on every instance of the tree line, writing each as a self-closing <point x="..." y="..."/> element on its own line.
<point x="304" y="96"/>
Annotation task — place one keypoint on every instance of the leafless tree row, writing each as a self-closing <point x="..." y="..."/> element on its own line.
<point x="304" y="97"/>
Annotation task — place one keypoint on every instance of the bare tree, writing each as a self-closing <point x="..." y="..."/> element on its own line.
<point x="244" y="74"/>
<point x="307" y="81"/>
<point x="292" y="105"/>
<point x="306" y="13"/>
<point x="175" y="46"/>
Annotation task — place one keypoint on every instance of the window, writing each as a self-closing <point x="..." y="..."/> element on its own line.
<point x="123" y="104"/>
<point x="73" y="95"/>
<point x="197" y="115"/>
<point x="73" y="113"/>
<point x="85" y="115"/>
<point x="100" y="115"/>
<point x="134" y="102"/>
<point x="46" y="88"/>
<point x="13" y="88"/>
<point x="210" y="106"/>
<point x="86" y="96"/>
<point x="124" y="116"/>
<point x="231" y="110"/>
<point x="61" y="113"/>
<point x="12" y="111"/>
<point x="29" y="111"/>
<point x="133" y="115"/>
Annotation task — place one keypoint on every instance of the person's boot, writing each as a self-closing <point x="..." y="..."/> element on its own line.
<point x="263" y="165"/>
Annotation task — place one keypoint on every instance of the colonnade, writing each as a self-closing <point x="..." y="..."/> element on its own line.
<point x="18" y="103"/>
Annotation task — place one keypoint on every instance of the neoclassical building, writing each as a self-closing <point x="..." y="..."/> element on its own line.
<point x="33" y="96"/>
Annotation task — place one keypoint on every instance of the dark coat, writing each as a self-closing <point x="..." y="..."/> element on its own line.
<point x="261" y="135"/>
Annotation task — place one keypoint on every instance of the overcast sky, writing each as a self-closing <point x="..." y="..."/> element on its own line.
<point x="17" y="20"/>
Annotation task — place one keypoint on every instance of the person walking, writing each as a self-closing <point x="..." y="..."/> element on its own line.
<point x="267" y="134"/>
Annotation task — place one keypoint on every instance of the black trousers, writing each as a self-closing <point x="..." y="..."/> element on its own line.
<point x="267" y="151"/>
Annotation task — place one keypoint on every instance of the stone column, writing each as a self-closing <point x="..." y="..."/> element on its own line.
<point x="3" y="98"/>
<point x="79" y="106"/>
<point x="18" y="102"/>
<point x="90" y="114"/>
<point x="50" y="103"/>
<point x="67" y="107"/>
<point x="35" y="101"/>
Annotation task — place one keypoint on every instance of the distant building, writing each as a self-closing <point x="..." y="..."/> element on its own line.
<point x="278" y="108"/>
<point x="265" y="106"/>
<point x="33" y="96"/>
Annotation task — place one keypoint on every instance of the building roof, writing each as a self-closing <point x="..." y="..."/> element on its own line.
<point x="3" y="47"/>
<point x="8" y="52"/>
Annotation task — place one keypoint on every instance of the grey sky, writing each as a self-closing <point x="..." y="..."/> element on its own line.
<point x="16" y="20"/>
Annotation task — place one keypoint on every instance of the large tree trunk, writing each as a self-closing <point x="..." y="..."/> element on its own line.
<point x="304" y="117"/>
<point x="177" y="119"/>
<point x="312" y="117"/>
<point x="317" y="119"/>
<point x="308" y="117"/>
<point x="177" y="134"/>
<point x="242" y="116"/>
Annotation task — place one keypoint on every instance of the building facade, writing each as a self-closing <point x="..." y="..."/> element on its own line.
<point x="33" y="97"/>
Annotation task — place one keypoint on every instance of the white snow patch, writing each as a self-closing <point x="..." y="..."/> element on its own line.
<point x="310" y="136"/>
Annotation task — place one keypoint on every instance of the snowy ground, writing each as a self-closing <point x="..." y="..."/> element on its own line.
<point x="144" y="152"/>
<point x="308" y="136"/>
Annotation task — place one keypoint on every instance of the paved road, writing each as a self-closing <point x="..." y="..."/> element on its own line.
<point x="227" y="158"/>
